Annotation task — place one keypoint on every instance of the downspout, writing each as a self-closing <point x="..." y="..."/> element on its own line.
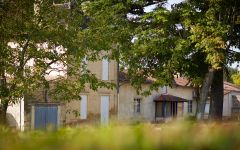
<point x="20" y="126"/>
<point x="118" y="87"/>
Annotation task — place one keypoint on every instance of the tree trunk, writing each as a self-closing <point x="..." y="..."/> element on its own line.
<point x="3" y="96"/>
<point x="3" y="113"/>
<point x="197" y="98"/>
<point x="217" y="96"/>
<point x="204" y="93"/>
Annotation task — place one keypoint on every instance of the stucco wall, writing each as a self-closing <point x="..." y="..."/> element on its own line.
<point x="128" y="93"/>
<point x="228" y="103"/>
<point x="126" y="104"/>
<point x="94" y="97"/>
<point x="70" y="111"/>
<point x="185" y="93"/>
<point x="93" y="107"/>
<point x="15" y="115"/>
<point x="179" y="91"/>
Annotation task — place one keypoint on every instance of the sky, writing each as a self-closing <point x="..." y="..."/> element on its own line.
<point x="168" y="5"/>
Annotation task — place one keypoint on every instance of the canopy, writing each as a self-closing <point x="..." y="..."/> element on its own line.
<point x="170" y="98"/>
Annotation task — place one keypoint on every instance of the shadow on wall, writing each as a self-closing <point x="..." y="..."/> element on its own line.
<point x="11" y="121"/>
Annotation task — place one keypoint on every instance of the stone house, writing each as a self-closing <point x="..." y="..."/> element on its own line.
<point x="164" y="104"/>
<point x="104" y="104"/>
<point x="94" y="107"/>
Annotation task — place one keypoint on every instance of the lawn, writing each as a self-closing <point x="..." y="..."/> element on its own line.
<point x="170" y="136"/>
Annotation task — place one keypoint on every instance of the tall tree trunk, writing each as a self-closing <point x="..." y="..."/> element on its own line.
<point x="3" y="112"/>
<point x="217" y="96"/>
<point x="197" y="98"/>
<point x="3" y="96"/>
<point x="204" y="93"/>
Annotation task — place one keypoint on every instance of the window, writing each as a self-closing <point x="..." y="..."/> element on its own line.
<point x="104" y="109"/>
<point x="189" y="106"/>
<point x="137" y="105"/>
<point x="83" y="107"/>
<point x="207" y="108"/>
<point x="105" y="69"/>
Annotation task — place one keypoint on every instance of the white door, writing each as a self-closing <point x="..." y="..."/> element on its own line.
<point x="207" y="108"/>
<point x="83" y="107"/>
<point x="104" y="109"/>
<point x="185" y="108"/>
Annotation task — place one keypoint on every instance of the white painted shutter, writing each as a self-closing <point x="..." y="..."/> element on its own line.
<point x="207" y="107"/>
<point x="185" y="108"/>
<point x="83" y="107"/>
<point x="104" y="109"/>
<point x="105" y="69"/>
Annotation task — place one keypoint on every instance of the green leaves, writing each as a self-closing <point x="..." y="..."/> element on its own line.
<point x="47" y="46"/>
<point x="236" y="78"/>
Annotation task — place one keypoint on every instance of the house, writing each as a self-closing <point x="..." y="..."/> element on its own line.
<point x="94" y="107"/>
<point x="97" y="106"/>
<point x="164" y="104"/>
<point x="168" y="103"/>
<point x="231" y="102"/>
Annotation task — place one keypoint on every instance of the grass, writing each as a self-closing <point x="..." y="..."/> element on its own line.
<point x="174" y="136"/>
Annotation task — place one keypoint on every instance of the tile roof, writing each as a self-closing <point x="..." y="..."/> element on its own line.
<point x="230" y="87"/>
<point x="169" y="98"/>
<point x="181" y="81"/>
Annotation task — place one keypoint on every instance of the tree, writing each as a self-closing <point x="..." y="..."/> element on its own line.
<point x="195" y="39"/>
<point x="38" y="39"/>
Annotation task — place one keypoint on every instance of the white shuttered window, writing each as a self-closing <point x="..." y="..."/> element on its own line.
<point x="105" y="69"/>
<point x="83" y="107"/>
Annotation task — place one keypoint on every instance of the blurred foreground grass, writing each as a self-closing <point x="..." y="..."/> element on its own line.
<point x="120" y="137"/>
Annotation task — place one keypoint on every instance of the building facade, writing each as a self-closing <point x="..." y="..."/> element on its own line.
<point x="167" y="103"/>
<point x="103" y="105"/>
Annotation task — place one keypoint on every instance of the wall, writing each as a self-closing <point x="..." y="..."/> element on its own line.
<point x="15" y="115"/>
<point x="70" y="111"/>
<point x="179" y="91"/>
<point x="126" y="104"/>
<point x="185" y="93"/>
<point x="227" y="105"/>
<point x="128" y="93"/>
<point x="93" y="107"/>
<point x="93" y="97"/>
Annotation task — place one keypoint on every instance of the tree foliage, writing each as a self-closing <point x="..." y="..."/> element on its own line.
<point x="236" y="78"/>
<point x="195" y="39"/>
<point x="39" y="39"/>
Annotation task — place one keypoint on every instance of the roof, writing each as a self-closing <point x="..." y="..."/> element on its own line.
<point x="231" y="87"/>
<point x="170" y="98"/>
<point x="181" y="81"/>
<point x="184" y="82"/>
